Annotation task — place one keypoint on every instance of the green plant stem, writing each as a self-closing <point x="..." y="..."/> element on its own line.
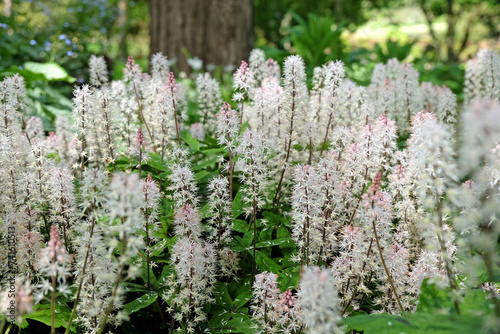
<point x="142" y="116"/>
<point x="355" y="292"/>
<point x="230" y="168"/>
<point x="85" y="261"/>
<point x="9" y="328"/>
<point x="53" y="307"/>
<point x="2" y="324"/>
<point x="444" y="254"/>
<point x="115" y="288"/>
<point x="385" y="266"/>
<point x="288" y="147"/>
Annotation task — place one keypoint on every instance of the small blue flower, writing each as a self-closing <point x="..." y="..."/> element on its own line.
<point x="103" y="30"/>
<point x="69" y="53"/>
<point x="3" y="25"/>
<point x="67" y="41"/>
<point x="32" y="42"/>
<point x="80" y="80"/>
<point x="61" y="37"/>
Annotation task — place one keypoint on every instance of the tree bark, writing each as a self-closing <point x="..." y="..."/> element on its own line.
<point x="219" y="32"/>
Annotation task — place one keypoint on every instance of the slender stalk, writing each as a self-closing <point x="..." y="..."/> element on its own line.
<point x="355" y="292"/>
<point x="148" y="260"/>
<point x="142" y="116"/>
<point x="83" y="140"/>
<point x="326" y="134"/>
<point x="115" y="289"/>
<point x="176" y="121"/>
<point x="2" y="324"/>
<point x="85" y="261"/>
<point x="140" y="161"/>
<point x="230" y="168"/>
<point x="385" y="266"/>
<point x="288" y="147"/>
<point x="53" y="306"/>
<point x="444" y="254"/>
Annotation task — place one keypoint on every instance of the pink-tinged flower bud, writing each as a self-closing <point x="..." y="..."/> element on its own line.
<point x="187" y="223"/>
<point x="54" y="261"/>
<point x="16" y="301"/>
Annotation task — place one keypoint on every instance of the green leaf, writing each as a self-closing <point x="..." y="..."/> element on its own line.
<point x="275" y="242"/>
<point x="155" y="162"/>
<point x="44" y="315"/>
<point x="241" y="324"/>
<point x="132" y="287"/>
<point x="201" y="175"/>
<point x="432" y="298"/>
<point x="240" y="225"/>
<point x="415" y="323"/>
<point x="242" y="299"/>
<point x="222" y="297"/>
<point x="207" y="163"/>
<point x="265" y="263"/>
<point x="211" y="151"/>
<point x="51" y="71"/>
<point x="237" y="205"/>
<point x="379" y="323"/>
<point x="141" y="302"/>
<point x="190" y="140"/>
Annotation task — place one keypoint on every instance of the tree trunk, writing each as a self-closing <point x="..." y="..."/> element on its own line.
<point x="219" y="32"/>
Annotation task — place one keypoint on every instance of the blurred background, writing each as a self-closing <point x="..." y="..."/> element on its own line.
<point x="50" y="41"/>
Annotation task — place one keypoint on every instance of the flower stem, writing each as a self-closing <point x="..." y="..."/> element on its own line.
<point x="385" y="266"/>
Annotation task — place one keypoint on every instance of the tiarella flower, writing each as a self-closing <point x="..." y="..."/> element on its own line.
<point x="183" y="186"/>
<point x="98" y="71"/>
<point x="187" y="223"/>
<point x="352" y="106"/>
<point x="209" y="100"/>
<point x="82" y="114"/>
<point x="306" y="214"/>
<point x="12" y="106"/>
<point x="8" y="175"/>
<point x="227" y="126"/>
<point x="408" y="101"/>
<point x="263" y="114"/>
<point x="105" y="138"/>
<point x="197" y="131"/>
<point x="482" y="77"/>
<point x="140" y="149"/>
<point x="266" y="302"/>
<point x="34" y="130"/>
<point x="318" y="302"/>
<point x="63" y="142"/>
<point x="258" y="67"/>
<point x="220" y="217"/>
<point x="92" y="190"/>
<point x="160" y="67"/>
<point x="253" y="169"/>
<point x="193" y="283"/>
<point x="16" y="301"/>
<point x="62" y="199"/>
<point x="132" y="70"/>
<point x="54" y="261"/>
<point x="243" y="78"/>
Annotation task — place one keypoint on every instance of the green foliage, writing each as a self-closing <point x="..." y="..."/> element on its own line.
<point x="318" y="39"/>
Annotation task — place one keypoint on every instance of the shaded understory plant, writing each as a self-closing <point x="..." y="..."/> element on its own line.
<point x="296" y="210"/>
